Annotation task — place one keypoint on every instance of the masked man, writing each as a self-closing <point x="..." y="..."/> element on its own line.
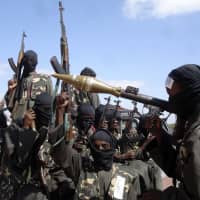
<point x="29" y="85"/>
<point x="182" y="163"/>
<point x="87" y="97"/>
<point x="28" y="170"/>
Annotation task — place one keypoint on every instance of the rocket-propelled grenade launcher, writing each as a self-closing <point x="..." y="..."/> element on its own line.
<point x="90" y="84"/>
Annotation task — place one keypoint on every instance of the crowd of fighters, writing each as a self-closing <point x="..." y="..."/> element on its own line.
<point x="69" y="146"/>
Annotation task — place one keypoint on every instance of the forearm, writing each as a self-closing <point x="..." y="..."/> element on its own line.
<point x="165" y="155"/>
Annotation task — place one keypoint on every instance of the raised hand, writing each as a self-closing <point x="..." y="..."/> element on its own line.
<point x="29" y="119"/>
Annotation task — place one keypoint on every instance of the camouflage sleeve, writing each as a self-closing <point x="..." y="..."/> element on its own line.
<point x="189" y="163"/>
<point x="124" y="185"/>
<point x="49" y="86"/>
<point x="95" y="100"/>
<point x="64" y="155"/>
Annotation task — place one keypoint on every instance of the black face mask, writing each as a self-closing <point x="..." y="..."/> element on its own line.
<point x="103" y="160"/>
<point x="42" y="109"/>
<point x="176" y="103"/>
<point x="43" y="116"/>
<point x="183" y="103"/>
<point x="85" y="124"/>
<point x="29" y="62"/>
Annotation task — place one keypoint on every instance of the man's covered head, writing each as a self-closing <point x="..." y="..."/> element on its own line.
<point x="85" y="118"/>
<point x="102" y="148"/>
<point x="87" y="71"/>
<point x="42" y="109"/>
<point x="183" y="87"/>
<point x="106" y="116"/>
<point x="29" y="61"/>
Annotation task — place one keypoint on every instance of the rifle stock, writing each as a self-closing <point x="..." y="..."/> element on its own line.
<point x="12" y="65"/>
<point x="56" y="65"/>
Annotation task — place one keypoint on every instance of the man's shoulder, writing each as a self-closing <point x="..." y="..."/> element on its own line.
<point x="39" y="77"/>
<point x="123" y="170"/>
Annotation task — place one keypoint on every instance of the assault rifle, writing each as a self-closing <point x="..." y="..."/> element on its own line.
<point x="17" y="70"/>
<point x="102" y="118"/>
<point x="62" y="68"/>
<point x="11" y="62"/>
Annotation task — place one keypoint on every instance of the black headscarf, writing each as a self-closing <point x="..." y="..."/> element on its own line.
<point x="88" y="72"/>
<point x="103" y="159"/>
<point x="29" y="62"/>
<point x="42" y="108"/>
<point x="184" y="103"/>
<point x="86" y="115"/>
<point x="28" y="65"/>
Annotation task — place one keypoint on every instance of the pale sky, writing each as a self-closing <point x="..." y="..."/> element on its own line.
<point x="127" y="42"/>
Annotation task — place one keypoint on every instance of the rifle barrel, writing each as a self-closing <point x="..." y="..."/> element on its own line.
<point x="146" y="100"/>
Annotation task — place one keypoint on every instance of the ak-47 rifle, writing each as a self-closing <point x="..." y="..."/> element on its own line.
<point x="114" y="116"/>
<point x="64" y="48"/>
<point x="11" y="62"/>
<point x="132" y="114"/>
<point x="17" y="70"/>
<point x="116" y="109"/>
<point x="102" y="118"/>
<point x="63" y="68"/>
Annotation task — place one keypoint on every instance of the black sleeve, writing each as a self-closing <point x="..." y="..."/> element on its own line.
<point x="165" y="154"/>
<point x="169" y="155"/>
<point x="64" y="155"/>
<point x="19" y="145"/>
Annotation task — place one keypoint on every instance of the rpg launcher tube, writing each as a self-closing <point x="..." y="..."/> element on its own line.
<point x="90" y="84"/>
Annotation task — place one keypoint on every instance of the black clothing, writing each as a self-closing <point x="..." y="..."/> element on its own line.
<point x="183" y="103"/>
<point x="3" y="120"/>
<point x="103" y="159"/>
<point x="88" y="72"/>
<point x="42" y="108"/>
<point x="29" y="61"/>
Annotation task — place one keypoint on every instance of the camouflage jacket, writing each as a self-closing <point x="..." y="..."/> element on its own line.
<point x="188" y="160"/>
<point x="33" y="85"/>
<point x="182" y="163"/>
<point x="20" y="147"/>
<point x="26" y="161"/>
<point x="86" y="97"/>
<point x="114" y="184"/>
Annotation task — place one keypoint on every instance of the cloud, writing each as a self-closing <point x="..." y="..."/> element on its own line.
<point x="159" y="8"/>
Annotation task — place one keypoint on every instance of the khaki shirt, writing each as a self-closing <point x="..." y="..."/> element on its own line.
<point x="33" y="85"/>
